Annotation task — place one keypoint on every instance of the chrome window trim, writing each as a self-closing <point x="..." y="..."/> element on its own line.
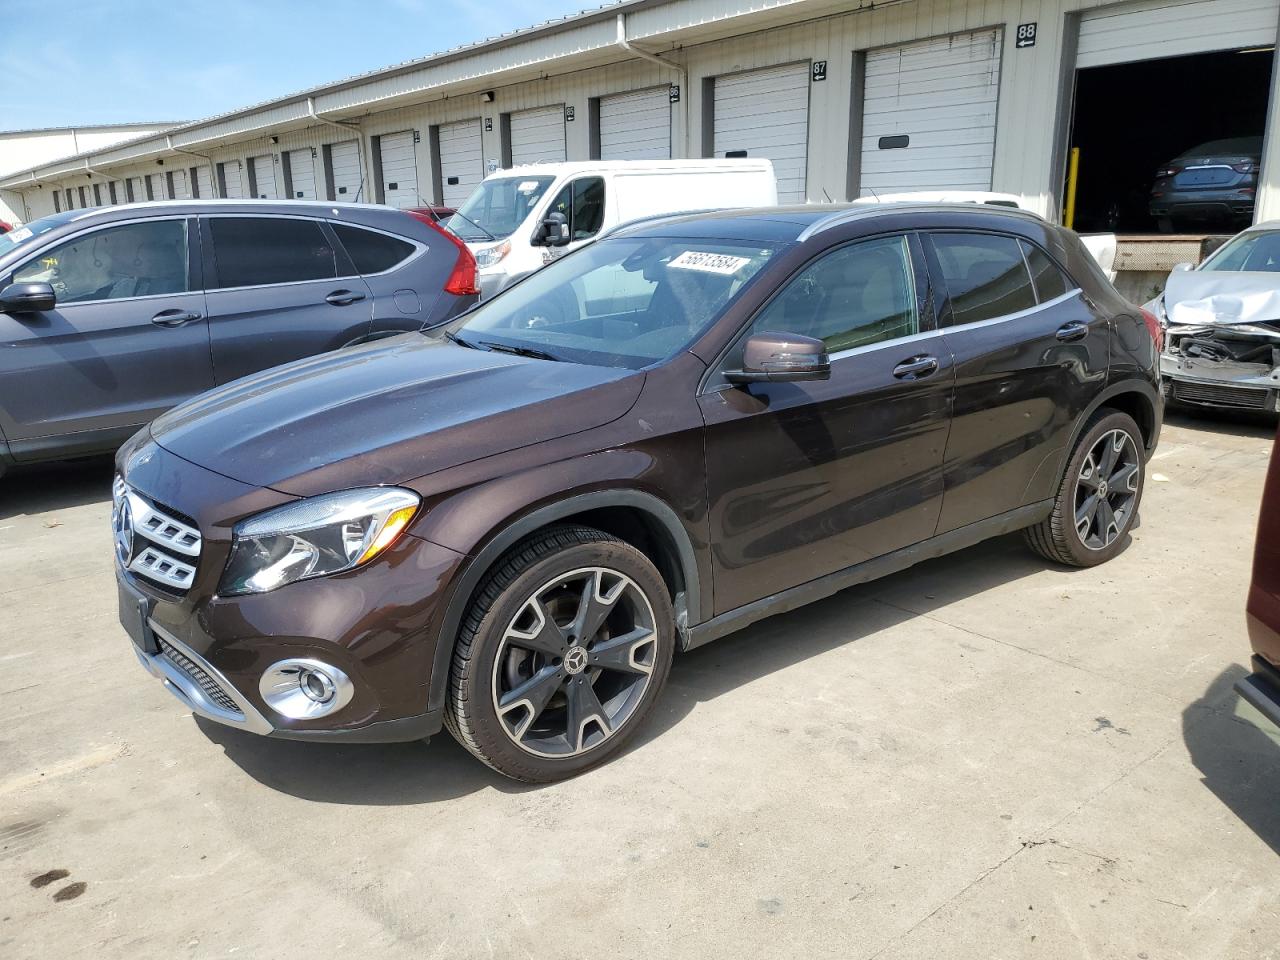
<point x="13" y="271"/>
<point x="1005" y="318"/>
<point x="879" y="344"/>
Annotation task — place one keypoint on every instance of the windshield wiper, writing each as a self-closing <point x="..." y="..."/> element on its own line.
<point x="454" y="338"/>
<point x="487" y="234"/>
<point x="530" y="352"/>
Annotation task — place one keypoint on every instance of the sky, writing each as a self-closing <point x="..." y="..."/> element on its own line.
<point x="120" y="61"/>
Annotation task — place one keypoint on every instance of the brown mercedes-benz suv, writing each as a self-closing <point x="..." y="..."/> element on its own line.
<point x="507" y="526"/>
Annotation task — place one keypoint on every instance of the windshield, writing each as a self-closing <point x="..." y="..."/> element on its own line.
<point x="497" y="207"/>
<point x="33" y="229"/>
<point x="1255" y="251"/>
<point x="627" y="302"/>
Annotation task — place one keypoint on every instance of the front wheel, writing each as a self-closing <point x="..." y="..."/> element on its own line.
<point x="563" y="654"/>
<point x="1098" y="497"/>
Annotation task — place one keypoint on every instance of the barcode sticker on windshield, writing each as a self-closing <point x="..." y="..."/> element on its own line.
<point x="709" y="262"/>
<point x="527" y="186"/>
<point x="17" y="236"/>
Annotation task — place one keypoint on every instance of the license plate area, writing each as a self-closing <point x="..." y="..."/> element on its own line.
<point x="135" y="608"/>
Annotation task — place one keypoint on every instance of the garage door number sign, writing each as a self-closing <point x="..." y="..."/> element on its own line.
<point x="1026" y="35"/>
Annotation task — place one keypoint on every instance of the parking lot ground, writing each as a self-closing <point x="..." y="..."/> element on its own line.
<point x="983" y="757"/>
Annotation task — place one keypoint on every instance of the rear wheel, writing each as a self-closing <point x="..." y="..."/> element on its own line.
<point x="563" y="654"/>
<point x="1098" y="497"/>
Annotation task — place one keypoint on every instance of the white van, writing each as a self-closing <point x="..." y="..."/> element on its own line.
<point x="517" y="220"/>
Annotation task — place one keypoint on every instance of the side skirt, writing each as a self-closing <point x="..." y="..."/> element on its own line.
<point x="806" y="593"/>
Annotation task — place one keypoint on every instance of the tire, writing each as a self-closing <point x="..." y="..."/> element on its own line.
<point x="1059" y="537"/>
<point x="537" y="690"/>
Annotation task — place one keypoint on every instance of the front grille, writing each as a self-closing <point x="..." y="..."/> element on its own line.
<point x="212" y="688"/>
<point x="153" y="541"/>
<point x="1212" y="394"/>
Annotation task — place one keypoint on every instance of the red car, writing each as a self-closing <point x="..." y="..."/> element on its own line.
<point x="1262" y="687"/>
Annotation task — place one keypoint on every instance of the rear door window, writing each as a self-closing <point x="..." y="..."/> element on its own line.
<point x="985" y="275"/>
<point x="1050" y="282"/>
<point x="256" y="251"/>
<point x="372" y="252"/>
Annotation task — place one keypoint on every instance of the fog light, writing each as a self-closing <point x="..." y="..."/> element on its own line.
<point x="305" y="689"/>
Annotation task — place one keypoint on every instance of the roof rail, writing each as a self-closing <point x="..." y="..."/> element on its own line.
<point x="863" y="211"/>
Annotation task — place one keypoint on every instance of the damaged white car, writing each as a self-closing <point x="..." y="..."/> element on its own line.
<point x="1222" y="325"/>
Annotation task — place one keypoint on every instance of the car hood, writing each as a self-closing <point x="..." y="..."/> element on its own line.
<point x="1222" y="297"/>
<point x="388" y="412"/>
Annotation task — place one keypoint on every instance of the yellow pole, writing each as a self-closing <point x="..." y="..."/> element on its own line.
<point x="1073" y="175"/>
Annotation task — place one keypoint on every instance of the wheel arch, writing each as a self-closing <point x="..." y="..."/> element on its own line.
<point x="639" y="518"/>
<point x="1137" y="398"/>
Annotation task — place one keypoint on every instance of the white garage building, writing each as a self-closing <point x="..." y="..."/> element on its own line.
<point x="847" y="99"/>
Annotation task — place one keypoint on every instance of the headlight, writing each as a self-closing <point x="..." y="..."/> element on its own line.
<point x="315" y="537"/>
<point x="494" y="255"/>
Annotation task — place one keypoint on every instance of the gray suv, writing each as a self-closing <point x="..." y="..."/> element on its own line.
<point x="109" y="317"/>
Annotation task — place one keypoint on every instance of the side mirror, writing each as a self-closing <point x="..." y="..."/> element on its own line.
<point x="1183" y="267"/>
<point x="27" y="298"/>
<point x="553" y="231"/>
<point x="782" y="356"/>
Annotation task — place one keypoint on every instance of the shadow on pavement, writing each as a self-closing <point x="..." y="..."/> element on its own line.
<point x="1238" y="761"/>
<point x="55" y="486"/>
<point x="412" y="773"/>
<point x="1234" y="423"/>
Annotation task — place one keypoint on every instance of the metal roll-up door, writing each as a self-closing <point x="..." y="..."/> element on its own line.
<point x="929" y="114"/>
<point x="1127" y="33"/>
<point x="159" y="190"/>
<point x="344" y="163"/>
<point x="264" y="177"/>
<point x="302" y="175"/>
<point x="765" y="113"/>
<point x="181" y="190"/>
<point x="399" y="162"/>
<point x="233" y="180"/>
<point x="537" y="136"/>
<point x="461" y="160"/>
<point x="204" y="183"/>
<point x="636" y="126"/>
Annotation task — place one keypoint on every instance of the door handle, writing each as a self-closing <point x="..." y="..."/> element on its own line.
<point x="1072" y="331"/>
<point x="341" y="298"/>
<point x="174" y="318"/>
<point x="915" y="368"/>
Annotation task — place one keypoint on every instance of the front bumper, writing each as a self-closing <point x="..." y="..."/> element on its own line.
<point x="377" y="624"/>
<point x="1261" y="689"/>
<point x="1225" y="385"/>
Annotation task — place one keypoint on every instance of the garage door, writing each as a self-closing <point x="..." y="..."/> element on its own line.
<point x="179" y="186"/>
<point x="399" y="169"/>
<point x="204" y="184"/>
<point x="929" y="114"/>
<point x="1168" y="29"/>
<point x="158" y="190"/>
<point x="461" y="160"/>
<point x="537" y="136"/>
<point x="264" y="177"/>
<point x="344" y="163"/>
<point x="636" y="126"/>
<point x="232" y="180"/>
<point x="302" y="175"/>
<point x="765" y="113"/>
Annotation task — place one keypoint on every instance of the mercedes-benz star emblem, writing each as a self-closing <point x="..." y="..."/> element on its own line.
<point x="122" y="527"/>
<point x="575" y="660"/>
